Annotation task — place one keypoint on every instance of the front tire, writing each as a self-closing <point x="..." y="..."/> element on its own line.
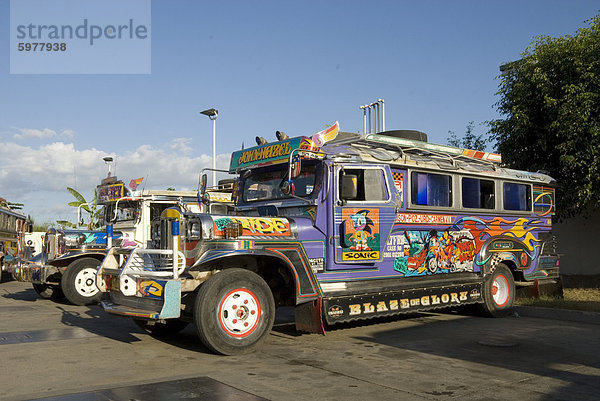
<point x="234" y="312"/>
<point x="498" y="292"/>
<point x="79" y="282"/>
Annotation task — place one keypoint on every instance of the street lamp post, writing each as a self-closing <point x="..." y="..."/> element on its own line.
<point x="212" y="114"/>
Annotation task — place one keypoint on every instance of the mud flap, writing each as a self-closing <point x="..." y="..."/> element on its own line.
<point x="309" y="317"/>
<point x="536" y="288"/>
<point x="172" y="300"/>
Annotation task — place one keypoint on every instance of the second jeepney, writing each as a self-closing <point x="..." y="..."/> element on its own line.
<point x="341" y="226"/>
<point x="67" y="265"/>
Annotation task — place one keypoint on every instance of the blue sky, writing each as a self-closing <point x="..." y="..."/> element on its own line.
<point x="265" y="65"/>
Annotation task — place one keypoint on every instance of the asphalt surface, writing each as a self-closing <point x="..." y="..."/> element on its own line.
<point x="57" y="351"/>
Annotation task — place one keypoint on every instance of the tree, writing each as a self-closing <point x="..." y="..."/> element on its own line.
<point x="469" y="140"/>
<point x="550" y="100"/>
<point x="92" y="208"/>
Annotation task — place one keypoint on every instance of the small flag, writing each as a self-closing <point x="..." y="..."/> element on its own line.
<point x="133" y="184"/>
<point x="327" y="135"/>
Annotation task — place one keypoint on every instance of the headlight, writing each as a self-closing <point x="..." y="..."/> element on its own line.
<point x="71" y="241"/>
<point x="194" y="230"/>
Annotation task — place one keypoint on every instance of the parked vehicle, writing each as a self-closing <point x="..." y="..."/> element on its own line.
<point x="71" y="257"/>
<point x="13" y="227"/>
<point x="343" y="227"/>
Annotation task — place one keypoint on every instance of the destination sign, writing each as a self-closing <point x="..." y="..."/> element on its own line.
<point x="270" y="153"/>
<point x="110" y="193"/>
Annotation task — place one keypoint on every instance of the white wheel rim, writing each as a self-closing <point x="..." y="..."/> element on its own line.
<point x="500" y="290"/>
<point x="85" y="282"/>
<point x="239" y="312"/>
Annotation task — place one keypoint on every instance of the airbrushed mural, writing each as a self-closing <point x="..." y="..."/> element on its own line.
<point x="100" y="238"/>
<point x="466" y="245"/>
<point x="430" y="252"/>
<point x="271" y="226"/>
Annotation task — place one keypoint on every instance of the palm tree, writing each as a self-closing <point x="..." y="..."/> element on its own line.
<point x="92" y="208"/>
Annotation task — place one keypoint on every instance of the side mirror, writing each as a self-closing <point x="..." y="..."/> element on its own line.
<point x="295" y="167"/>
<point x="286" y="187"/>
<point x="349" y="186"/>
<point x="202" y="184"/>
<point x="79" y="217"/>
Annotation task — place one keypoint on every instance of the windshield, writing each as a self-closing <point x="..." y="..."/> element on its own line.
<point x="127" y="211"/>
<point x="262" y="185"/>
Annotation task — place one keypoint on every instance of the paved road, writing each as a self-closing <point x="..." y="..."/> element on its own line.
<point x="58" y="351"/>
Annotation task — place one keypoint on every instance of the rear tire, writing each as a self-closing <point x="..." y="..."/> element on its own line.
<point x="498" y="292"/>
<point x="79" y="282"/>
<point x="46" y="291"/>
<point x="234" y="312"/>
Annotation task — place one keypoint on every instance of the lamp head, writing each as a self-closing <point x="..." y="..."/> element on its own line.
<point x="211" y="113"/>
<point x="281" y="136"/>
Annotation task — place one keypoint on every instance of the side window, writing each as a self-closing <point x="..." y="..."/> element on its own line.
<point x="478" y="194"/>
<point x="370" y="184"/>
<point x="517" y="196"/>
<point x="431" y="189"/>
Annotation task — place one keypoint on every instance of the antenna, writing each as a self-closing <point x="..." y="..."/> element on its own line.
<point x="145" y="181"/>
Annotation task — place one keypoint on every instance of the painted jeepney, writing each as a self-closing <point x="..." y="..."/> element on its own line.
<point x="342" y="227"/>
<point x="70" y="258"/>
<point x="13" y="226"/>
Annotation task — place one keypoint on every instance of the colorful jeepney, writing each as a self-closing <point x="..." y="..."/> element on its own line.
<point x="342" y="227"/>
<point x="13" y="226"/>
<point x="70" y="257"/>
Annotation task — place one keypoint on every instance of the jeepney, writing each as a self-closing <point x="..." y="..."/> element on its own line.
<point x="70" y="257"/>
<point x="13" y="227"/>
<point x="342" y="227"/>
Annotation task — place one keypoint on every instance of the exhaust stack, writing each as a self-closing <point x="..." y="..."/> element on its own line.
<point x="374" y="117"/>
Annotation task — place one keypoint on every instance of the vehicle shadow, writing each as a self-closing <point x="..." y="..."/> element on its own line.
<point x="188" y="339"/>
<point x="515" y="349"/>
<point x="29" y="295"/>
<point x="93" y="319"/>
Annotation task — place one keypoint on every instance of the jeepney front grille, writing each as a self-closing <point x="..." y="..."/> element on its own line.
<point x="165" y="234"/>
<point x="51" y="246"/>
<point x="150" y="261"/>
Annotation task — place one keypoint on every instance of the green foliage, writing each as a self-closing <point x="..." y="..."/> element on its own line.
<point x="43" y="227"/>
<point x="15" y="206"/>
<point x="91" y="207"/>
<point x="66" y="223"/>
<point x="11" y="205"/>
<point x="550" y="100"/>
<point x="469" y="140"/>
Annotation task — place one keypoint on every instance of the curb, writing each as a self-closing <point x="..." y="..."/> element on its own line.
<point x="559" y="314"/>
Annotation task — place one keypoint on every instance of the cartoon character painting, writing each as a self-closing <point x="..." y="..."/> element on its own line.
<point x="362" y="226"/>
<point x="360" y="234"/>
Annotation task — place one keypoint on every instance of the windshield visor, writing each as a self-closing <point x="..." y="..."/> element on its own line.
<point x="127" y="211"/>
<point x="262" y="185"/>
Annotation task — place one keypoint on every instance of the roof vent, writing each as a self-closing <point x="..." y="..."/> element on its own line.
<point x="406" y="134"/>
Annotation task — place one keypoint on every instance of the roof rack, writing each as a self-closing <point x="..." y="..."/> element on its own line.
<point x="452" y="153"/>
